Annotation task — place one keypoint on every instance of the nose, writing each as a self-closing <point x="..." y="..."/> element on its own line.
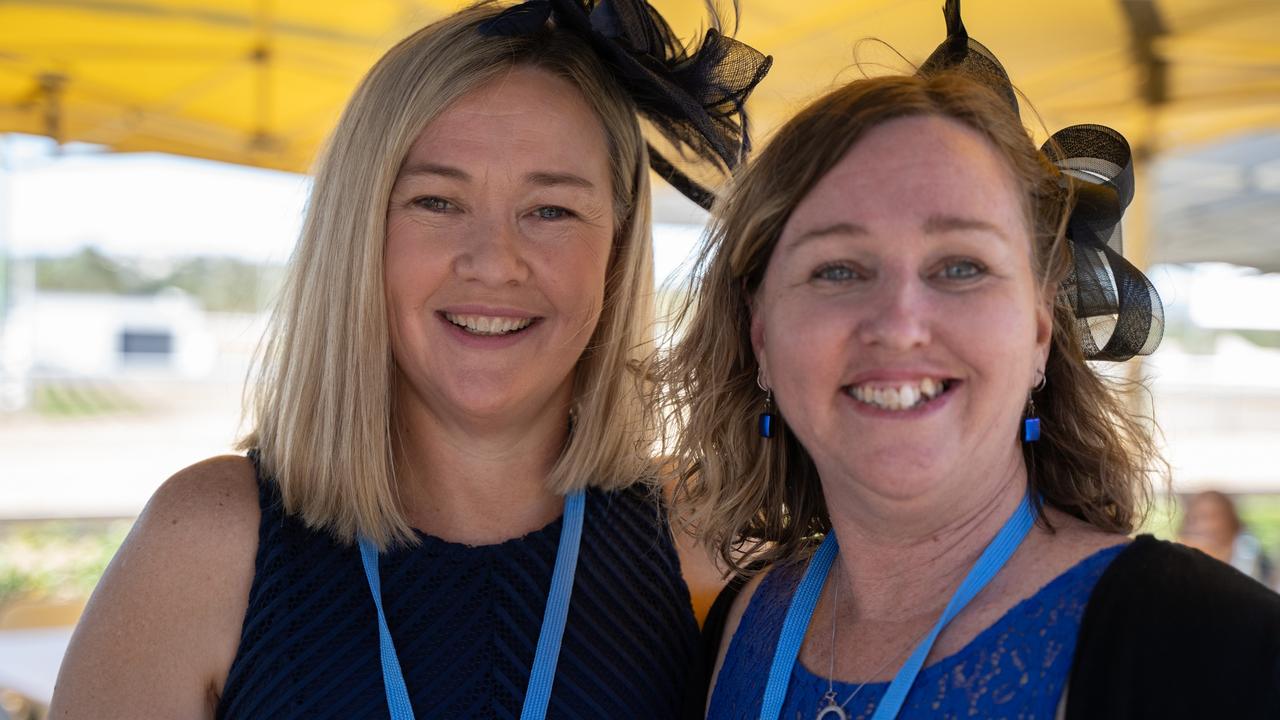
<point x="493" y="254"/>
<point x="895" y="315"/>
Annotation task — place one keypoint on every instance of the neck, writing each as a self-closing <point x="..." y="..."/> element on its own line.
<point x="903" y="558"/>
<point x="478" y="481"/>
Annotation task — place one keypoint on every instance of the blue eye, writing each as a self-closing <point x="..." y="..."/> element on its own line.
<point x="551" y="212"/>
<point x="961" y="270"/>
<point x="835" y="273"/>
<point x="433" y="204"/>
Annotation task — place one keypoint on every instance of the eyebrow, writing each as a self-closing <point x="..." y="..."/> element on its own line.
<point x="952" y="223"/>
<point x="549" y="179"/>
<point x="934" y="224"/>
<point x="840" y="228"/>
<point x="543" y="179"/>
<point x="447" y="171"/>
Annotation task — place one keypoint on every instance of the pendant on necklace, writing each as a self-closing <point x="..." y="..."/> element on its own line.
<point x="832" y="710"/>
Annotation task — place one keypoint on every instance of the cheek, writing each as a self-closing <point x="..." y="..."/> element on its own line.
<point x="413" y="268"/>
<point x="806" y="342"/>
<point x="393" y="276"/>
<point x="574" y="275"/>
<point x="401" y="282"/>
<point x="996" y="335"/>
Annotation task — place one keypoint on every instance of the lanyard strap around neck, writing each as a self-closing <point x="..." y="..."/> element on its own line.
<point x="794" y="626"/>
<point x="542" y="676"/>
<point x="800" y="611"/>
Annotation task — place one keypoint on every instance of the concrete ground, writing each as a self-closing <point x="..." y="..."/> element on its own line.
<point x="108" y="465"/>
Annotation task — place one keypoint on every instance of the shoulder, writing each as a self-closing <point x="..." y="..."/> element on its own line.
<point x="634" y="515"/>
<point x="1183" y="582"/>
<point x="693" y="561"/>
<point x="1170" y="632"/>
<point x="721" y="622"/>
<point x="730" y="610"/>
<point x="218" y="493"/>
<point x="207" y="512"/>
<point x="737" y="596"/>
<point x="164" y="622"/>
<point x="699" y="567"/>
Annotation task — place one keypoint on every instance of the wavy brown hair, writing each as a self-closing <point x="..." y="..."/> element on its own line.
<point x="762" y="499"/>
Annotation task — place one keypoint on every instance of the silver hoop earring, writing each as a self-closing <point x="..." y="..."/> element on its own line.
<point x="1031" y="420"/>
<point x="765" y="423"/>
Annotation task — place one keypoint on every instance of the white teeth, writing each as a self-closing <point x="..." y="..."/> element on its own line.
<point x="487" y="324"/>
<point x="900" y="397"/>
<point x="908" y="395"/>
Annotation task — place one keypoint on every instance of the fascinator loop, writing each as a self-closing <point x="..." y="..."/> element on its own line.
<point x="1117" y="308"/>
<point x="961" y="53"/>
<point x="1118" y="312"/>
<point x="694" y="99"/>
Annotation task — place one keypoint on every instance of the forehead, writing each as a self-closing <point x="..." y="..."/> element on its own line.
<point x="908" y="170"/>
<point x="524" y="115"/>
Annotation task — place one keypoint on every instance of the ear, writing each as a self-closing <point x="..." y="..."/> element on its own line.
<point x="757" y="337"/>
<point x="1044" y="328"/>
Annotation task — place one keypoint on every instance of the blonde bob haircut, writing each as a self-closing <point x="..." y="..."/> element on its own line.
<point x="323" y="422"/>
<point x="760" y="499"/>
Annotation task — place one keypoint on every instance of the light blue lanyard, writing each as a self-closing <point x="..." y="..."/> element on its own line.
<point x="538" y="694"/>
<point x="805" y="600"/>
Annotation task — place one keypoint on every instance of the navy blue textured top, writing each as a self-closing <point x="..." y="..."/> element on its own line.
<point x="465" y="622"/>
<point x="1016" y="668"/>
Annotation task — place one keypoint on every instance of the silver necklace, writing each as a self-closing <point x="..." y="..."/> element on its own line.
<point x="832" y="709"/>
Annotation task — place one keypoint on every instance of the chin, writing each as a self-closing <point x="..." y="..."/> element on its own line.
<point x="905" y="486"/>
<point x="903" y="476"/>
<point x="485" y="405"/>
<point x="471" y="393"/>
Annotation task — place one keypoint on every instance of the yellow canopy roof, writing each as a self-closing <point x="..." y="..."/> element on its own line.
<point x="260" y="82"/>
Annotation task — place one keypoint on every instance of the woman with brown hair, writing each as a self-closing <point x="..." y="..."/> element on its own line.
<point x="1211" y="524"/>
<point x="448" y="508"/>
<point x="908" y="294"/>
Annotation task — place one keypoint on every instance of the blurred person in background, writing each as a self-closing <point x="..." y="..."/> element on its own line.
<point x="899" y="289"/>
<point x="448" y="508"/>
<point x="16" y="706"/>
<point x="1211" y="524"/>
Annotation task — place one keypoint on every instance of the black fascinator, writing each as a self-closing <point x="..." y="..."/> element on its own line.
<point x="1117" y="309"/>
<point x="694" y="99"/>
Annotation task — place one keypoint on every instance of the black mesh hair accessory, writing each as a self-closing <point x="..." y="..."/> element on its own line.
<point x="696" y="100"/>
<point x="1117" y="309"/>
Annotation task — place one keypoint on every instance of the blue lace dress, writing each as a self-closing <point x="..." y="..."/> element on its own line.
<point x="465" y="622"/>
<point x="1016" y="668"/>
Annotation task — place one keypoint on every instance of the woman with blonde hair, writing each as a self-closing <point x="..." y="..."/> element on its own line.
<point x="884" y="395"/>
<point x="448" y="504"/>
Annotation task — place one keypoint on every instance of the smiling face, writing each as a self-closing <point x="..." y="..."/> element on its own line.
<point x="899" y="322"/>
<point x="499" y="230"/>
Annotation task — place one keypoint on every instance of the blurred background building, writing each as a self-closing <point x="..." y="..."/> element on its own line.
<point x="151" y="187"/>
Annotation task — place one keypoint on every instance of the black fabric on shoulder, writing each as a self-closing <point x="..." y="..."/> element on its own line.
<point x="1171" y="633"/>
<point x="465" y="621"/>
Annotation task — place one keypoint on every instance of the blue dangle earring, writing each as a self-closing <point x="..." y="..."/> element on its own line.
<point x="768" y="416"/>
<point x="1031" y="423"/>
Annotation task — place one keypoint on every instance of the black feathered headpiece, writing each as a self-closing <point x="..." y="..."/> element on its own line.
<point x="695" y="99"/>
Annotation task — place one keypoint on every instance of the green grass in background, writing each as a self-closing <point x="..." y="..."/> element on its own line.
<point x="62" y="560"/>
<point x="1260" y="513"/>
<point x="80" y="399"/>
<point x="56" y="560"/>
